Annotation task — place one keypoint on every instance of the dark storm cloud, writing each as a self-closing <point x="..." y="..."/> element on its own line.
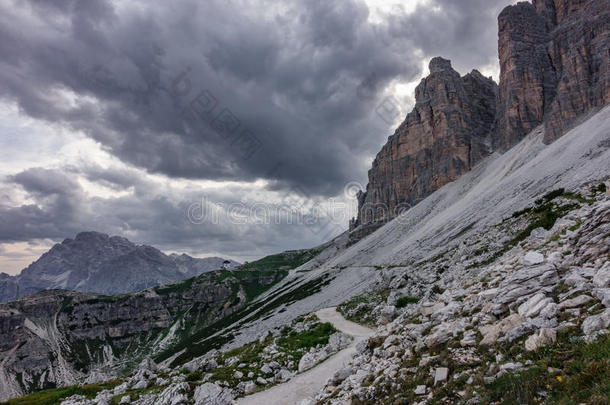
<point x="288" y="77"/>
<point x="148" y="214"/>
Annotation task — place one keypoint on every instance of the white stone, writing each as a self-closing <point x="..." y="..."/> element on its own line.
<point x="261" y="381"/>
<point x="575" y="302"/>
<point x="596" y="322"/>
<point x="602" y="277"/>
<point x="440" y="375"/>
<point x="543" y="337"/>
<point x="175" y="394"/>
<point x="212" y="394"/>
<point x="250" y="388"/>
<point x="491" y="333"/>
<point x="420" y="390"/>
<point x="532" y="258"/>
<point x="534" y="305"/>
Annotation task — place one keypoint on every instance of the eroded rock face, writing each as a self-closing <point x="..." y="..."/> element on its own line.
<point x="554" y="66"/>
<point x="443" y="137"/>
<point x="554" y="69"/>
<point x="56" y="337"/>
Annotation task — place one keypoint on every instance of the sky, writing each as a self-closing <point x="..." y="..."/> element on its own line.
<point x="235" y="128"/>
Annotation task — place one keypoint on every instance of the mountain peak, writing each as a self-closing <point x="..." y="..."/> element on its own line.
<point x="438" y="64"/>
<point x="96" y="262"/>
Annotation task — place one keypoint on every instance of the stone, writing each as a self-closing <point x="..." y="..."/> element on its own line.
<point x="441" y="374"/>
<point x="431" y="308"/>
<point x="261" y="381"/>
<point x="526" y="282"/>
<point x="238" y="374"/>
<point x="283" y="375"/>
<point x="443" y="333"/>
<point x="575" y="302"/>
<point x="175" y="394"/>
<point x="596" y="322"/>
<point x="469" y="339"/>
<point x="341" y="374"/>
<point x="250" y="388"/>
<point x="212" y="394"/>
<point x="534" y="305"/>
<point x="543" y="337"/>
<point x="420" y="390"/>
<point x="140" y="384"/>
<point x="511" y="366"/>
<point x="532" y="258"/>
<point x="602" y="277"/>
<point x="125" y="399"/>
<point x="147" y="364"/>
<point x="265" y="369"/>
<point x="338" y="341"/>
<point x="491" y="333"/>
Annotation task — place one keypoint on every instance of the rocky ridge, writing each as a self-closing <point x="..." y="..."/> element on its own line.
<point x="444" y="136"/>
<point x="57" y="338"/>
<point x="96" y="262"/>
<point x="554" y="70"/>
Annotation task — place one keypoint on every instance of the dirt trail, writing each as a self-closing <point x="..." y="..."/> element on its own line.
<point x="311" y="381"/>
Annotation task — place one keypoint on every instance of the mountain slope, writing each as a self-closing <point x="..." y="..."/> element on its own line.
<point x="96" y="262"/>
<point x="57" y="337"/>
<point x="496" y="188"/>
<point x="499" y="260"/>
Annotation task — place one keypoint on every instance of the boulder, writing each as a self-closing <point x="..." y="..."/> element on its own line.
<point x="175" y="394"/>
<point x="212" y="394"/>
<point x="441" y="374"/>
<point x="534" y="305"/>
<point x="596" y="322"/>
<point x="542" y="338"/>
<point x="532" y="258"/>
<point x="575" y="302"/>
<point x="491" y="333"/>
<point x="602" y="277"/>
<point x="341" y="374"/>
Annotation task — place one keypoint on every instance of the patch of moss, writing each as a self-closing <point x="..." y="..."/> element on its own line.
<point x="404" y="301"/>
<point x="56" y="395"/>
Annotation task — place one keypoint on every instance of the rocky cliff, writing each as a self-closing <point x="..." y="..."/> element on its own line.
<point x="554" y="66"/>
<point x="443" y="137"/>
<point x="554" y="69"/>
<point x="96" y="262"/>
<point x="59" y="337"/>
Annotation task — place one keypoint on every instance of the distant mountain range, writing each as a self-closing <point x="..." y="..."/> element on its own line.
<point x="96" y="262"/>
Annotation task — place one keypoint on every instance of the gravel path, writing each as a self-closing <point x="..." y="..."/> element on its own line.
<point x="311" y="381"/>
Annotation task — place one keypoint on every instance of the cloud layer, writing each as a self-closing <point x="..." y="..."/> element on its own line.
<point x="233" y="90"/>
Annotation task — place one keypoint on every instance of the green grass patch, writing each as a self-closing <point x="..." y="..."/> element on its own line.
<point x="584" y="376"/>
<point x="56" y="395"/>
<point x="404" y="301"/>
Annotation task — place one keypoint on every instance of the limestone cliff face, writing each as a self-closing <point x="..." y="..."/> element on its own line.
<point x="57" y="337"/>
<point x="443" y="137"/>
<point x="554" y="69"/>
<point x="554" y="66"/>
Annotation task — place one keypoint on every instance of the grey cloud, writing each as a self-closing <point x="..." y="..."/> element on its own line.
<point x="304" y="82"/>
<point x="146" y="215"/>
<point x="289" y="78"/>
